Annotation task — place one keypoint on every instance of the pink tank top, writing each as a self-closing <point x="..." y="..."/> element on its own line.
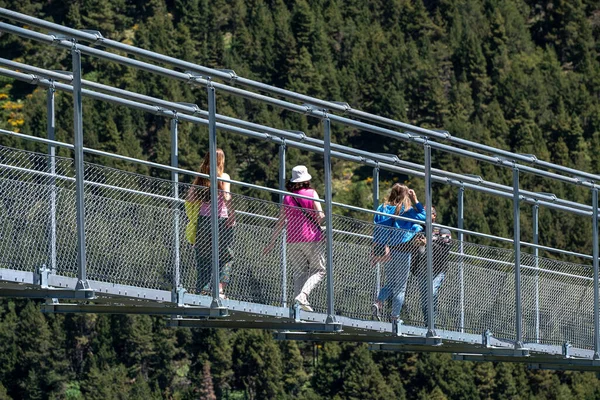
<point x="299" y="228"/>
<point x="221" y="208"/>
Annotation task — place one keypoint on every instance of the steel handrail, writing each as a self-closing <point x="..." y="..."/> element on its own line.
<point x="447" y="177"/>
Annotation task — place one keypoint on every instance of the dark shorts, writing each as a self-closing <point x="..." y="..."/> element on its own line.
<point x="379" y="249"/>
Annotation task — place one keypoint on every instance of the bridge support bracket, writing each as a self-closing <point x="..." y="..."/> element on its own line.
<point x="181" y="297"/>
<point x="83" y="285"/>
<point x="42" y="276"/>
<point x="431" y="334"/>
<point x="397" y="327"/>
<point x="566" y="349"/>
<point x="334" y="326"/>
<point x="52" y="301"/>
<point x="486" y="338"/>
<point x="219" y="312"/>
<point x="217" y="309"/>
<point x="519" y="345"/>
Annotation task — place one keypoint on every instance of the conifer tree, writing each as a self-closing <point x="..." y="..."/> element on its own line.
<point x="3" y="393"/>
<point x="294" y="375"/>
<point x="107" y="383"/>
<point x="8" y="341"/>
<point x="327" y="379"/>
<point x="206" y="391"/>
<point x="257" y="365"/>
<point x="360" y="375"/>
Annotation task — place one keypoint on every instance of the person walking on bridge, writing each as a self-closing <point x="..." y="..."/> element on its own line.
<point x="392" y="235"/>
<point x="305" y="247"/>
<point x="441" y="243"/>
<point x="198" y="230"/>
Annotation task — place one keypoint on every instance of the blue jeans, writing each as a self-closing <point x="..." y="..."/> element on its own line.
<point x="396" y="277"/>
<point x="437" y="282"/>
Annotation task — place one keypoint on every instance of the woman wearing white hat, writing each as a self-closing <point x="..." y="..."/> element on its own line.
<point x="305" y="249"/>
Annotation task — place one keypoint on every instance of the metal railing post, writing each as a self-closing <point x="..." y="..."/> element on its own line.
<point x="175" y="183"/>
<point x="536" y="253"/>
<point x="375" y="206"/>
<point x="461" y="264"/>
<point x="328" y="220"/>
<point x="596" y="275"/>
<point x="214" y="193"/>
<point x="517" y="251"/>
<point x="51" y="130"/>
<point x="429" y="245"/>
<point x="375" y="188"/>
<point x="282" y="149"/>
<point x="82" y="283"/>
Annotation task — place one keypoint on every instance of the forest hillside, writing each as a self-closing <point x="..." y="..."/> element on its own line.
<point x="522" y="75"/>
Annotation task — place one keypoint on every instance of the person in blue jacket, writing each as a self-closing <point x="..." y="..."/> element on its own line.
<point x="393" y="245"/>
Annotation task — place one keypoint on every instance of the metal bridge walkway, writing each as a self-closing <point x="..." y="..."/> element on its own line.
<point x="88" y="238"/>
<point x="130" y="250"/>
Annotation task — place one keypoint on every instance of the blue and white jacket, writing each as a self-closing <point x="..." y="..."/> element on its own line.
<point x="406" y="230"/>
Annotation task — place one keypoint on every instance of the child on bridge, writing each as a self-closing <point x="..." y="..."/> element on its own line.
<point x="441" y="242"/>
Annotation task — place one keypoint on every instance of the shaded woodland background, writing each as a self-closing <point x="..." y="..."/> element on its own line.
<point x="522" y="75"/>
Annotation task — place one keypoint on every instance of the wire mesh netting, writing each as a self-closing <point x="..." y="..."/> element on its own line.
<point x="130" y="228"/>
<point x="558" y="301"/>
<point x="136" y="230"/>
<point x="29" y="192"/>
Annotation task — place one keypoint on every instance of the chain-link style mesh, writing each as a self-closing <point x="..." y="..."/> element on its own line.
<point x="135" y="228"/>
<point x="478" y="292"/>
<point x="129" y="228"/>
<point x="558" y="301"/>
<point x="28" y="192"/>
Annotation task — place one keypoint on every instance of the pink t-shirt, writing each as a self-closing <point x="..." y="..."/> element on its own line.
<point x="299" y="228"/>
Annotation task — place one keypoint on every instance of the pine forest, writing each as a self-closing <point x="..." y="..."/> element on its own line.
<point x="521" y="75"/>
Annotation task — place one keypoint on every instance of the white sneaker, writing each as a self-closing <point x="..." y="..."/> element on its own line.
<point x="376" y="310"/>
<point x="222" y="292"/>
<point x="302" y="300"/>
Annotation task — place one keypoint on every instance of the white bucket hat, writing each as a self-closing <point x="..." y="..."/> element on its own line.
<point x="300" y="174"/>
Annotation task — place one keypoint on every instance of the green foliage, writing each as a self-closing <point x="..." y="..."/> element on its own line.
<point x="294" y="375"/>
<point x="521" y="75"/>
<point x="3" y="393"/>
<point x="191" y="364"/>
<point x="361" y="375"/>
<point x="257" y="366"/>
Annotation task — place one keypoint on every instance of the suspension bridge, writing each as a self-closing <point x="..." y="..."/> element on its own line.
<point x="89" y="238"/>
